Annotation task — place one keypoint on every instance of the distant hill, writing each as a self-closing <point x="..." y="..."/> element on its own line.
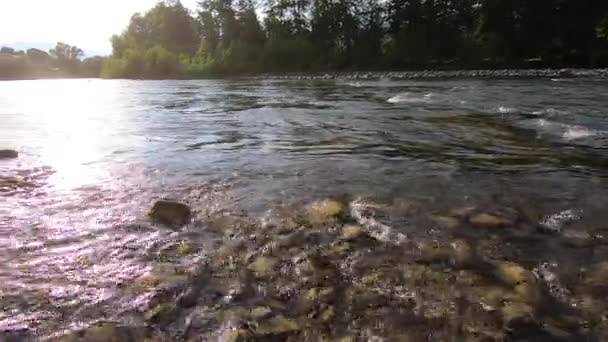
<point x="45" y="46"/>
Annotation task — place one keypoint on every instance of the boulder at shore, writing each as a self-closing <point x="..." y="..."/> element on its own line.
<point x="8" y="154"/>
<point x="172" y="214"/>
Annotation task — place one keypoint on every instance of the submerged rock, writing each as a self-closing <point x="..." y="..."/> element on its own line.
<point x="263" y="267"/>
<point x="108" y="332"/>
<point x="513" y="274"/>
<point x="445" y="221"/>
<point x="490" y="220"/>
<point x="352" y="232"/>
<point x="278" y="326"/>
<point x="172" y="214"/>
<point x="162" y="314"/>
<point x="14" y="183"/>
<point x="261" y="312"/>
<point x="8" y="154"/>
<point x="523" y="282"/>
<point x="462" y="213"/>
<point x="185" y="247"/>
<point x="462" y="253"/>
<point x="325" y="212"/>
<point x="577" y="238"/>
<point x="516" y="311"/>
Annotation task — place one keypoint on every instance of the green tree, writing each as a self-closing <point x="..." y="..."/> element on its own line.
<point x="39" y="57"/>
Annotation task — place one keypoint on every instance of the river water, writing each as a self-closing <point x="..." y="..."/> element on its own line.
<point x="96" y="154"/>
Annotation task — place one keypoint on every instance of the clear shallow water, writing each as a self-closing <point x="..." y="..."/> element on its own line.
<point x="96" y="155"/>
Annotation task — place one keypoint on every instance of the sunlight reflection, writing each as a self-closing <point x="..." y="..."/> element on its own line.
<point x="73" y="116"/>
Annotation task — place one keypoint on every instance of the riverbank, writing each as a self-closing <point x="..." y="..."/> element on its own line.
<point x="447" y="74"/>
<point x="396" y="75"/>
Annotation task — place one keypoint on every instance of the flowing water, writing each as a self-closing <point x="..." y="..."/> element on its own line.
<point x="94" y="155"/>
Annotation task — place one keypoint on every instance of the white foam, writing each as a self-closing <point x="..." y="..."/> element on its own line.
<point x="556" y="222"/>
<point x="543" y="122"/>
<point x="507" y="110"/>
<point x="565" y="131"/>
<point x="412" y="98"/>
<point x="359" y="210"/>
<point x="550" y="112"/>
<point x="578" y="132"/>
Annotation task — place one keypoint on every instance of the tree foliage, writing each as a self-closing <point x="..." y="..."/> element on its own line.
<point x="225" y="37"/>
<point x="228" y="37"/>
<point x="62" y="61"/>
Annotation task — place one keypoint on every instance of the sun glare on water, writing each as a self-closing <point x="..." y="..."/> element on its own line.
<point x="70" y="126"/>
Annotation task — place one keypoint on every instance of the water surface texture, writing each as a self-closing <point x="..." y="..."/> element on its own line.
<point x="75" y="238"/>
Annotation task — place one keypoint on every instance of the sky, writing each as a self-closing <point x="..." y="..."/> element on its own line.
<point x="88" y="24"/>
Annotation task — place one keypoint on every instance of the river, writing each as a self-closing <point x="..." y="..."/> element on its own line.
<point x="427" y="158"/>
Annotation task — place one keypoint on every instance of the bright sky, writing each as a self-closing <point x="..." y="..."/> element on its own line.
<point x="88" y="24"/>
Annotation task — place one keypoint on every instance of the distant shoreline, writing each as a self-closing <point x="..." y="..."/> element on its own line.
<point x="563" y="73"/>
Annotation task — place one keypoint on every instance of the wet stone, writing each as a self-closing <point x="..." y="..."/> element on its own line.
<point x="527" y="292"/>
<point x="188" y="298"/>
<point x="317" y="295"/>
<point x="513" y="274"/>
<point x="478" y="323"/>
<point x="327" y="314"/>
<point x="462" y="213"/>
<point x="185" y="247"/>
<point x="576" y="238"/>
<point x="162" y="314"/>
<point x="490" y="220"/>
<point x="352" y="232"/>
<point x="278" y="326"/>
<point x="263" y="267"/>
<point x="446" y="221"/>
<point x="325" y="212"/>
<point x="433" y="251"/>
<point x="261" y="312"/>
<point x="8" y="154"/>
<point x="490" y="298"/>
<point x="462" y="253"/>
<point x="516" y="311"/>
<point x="107" y="332"/>
<point x="171" y="214"/>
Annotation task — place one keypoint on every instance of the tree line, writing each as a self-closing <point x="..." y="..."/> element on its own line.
<point x="63" y="60"/>
<point x="230" y="37"/>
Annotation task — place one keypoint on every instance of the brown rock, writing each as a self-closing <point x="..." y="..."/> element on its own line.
<point x="172" y="214"/>
<point x="463" y="212"/>
<point x="263" y="267"/>
<point x="107" y="332"/>
<point x="513" y="274"/>
<point x="352" y="232"/>
<point x="462" y="253"/>
<point x="8" y="154"/>
<point x="325" y="212"/>
<point x="490" y="220"/>
<point x="515" y="311"/>
<point x="446" y="221"/>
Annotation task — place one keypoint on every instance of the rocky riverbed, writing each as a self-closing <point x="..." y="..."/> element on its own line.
<point x="332" y="271"/>
<point x="354" y="207"/>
